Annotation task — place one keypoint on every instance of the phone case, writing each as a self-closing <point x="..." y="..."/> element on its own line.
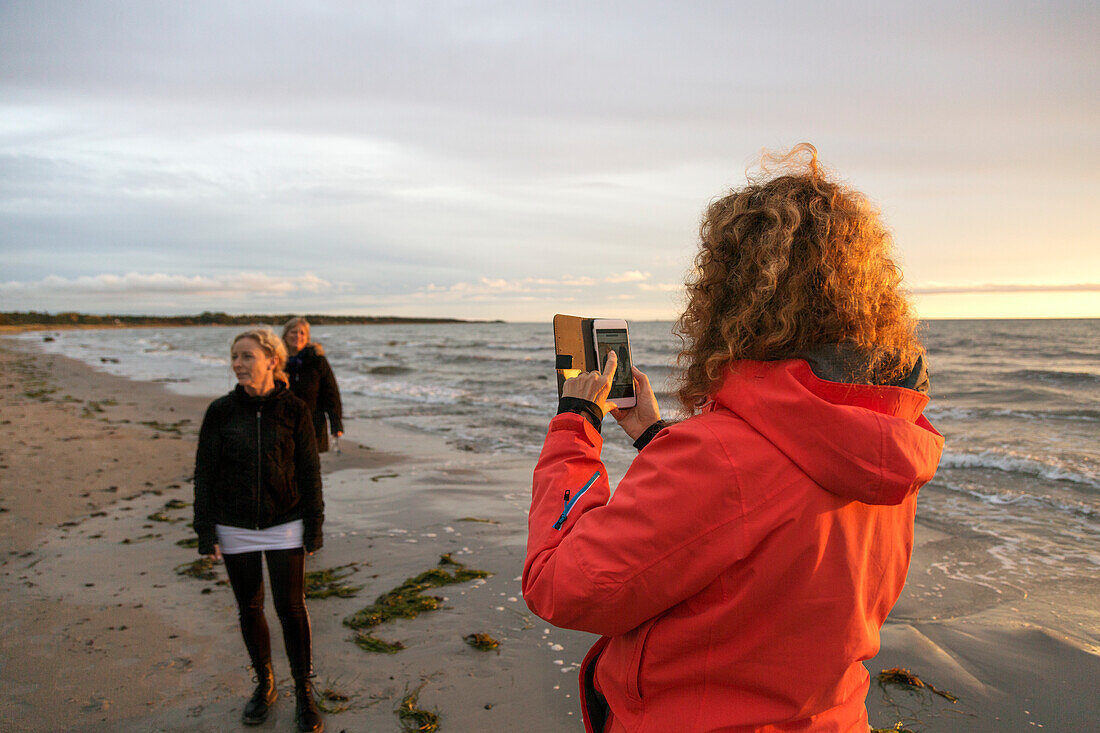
<point x="573" y="347"/>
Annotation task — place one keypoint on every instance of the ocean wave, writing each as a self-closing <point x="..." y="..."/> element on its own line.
<point x="1006" y="498"/>
<point x="982" y="413"/>
<point x="388" y="370"/>
<point x="1054" y="376"/>
<point x="1015" y="463"/>
<point x="403" y="392"/>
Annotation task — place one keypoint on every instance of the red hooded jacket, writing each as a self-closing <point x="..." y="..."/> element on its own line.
<point x="749" y="556"/>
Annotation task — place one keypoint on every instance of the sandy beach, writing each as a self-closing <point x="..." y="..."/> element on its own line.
<point x="101" y="632"/>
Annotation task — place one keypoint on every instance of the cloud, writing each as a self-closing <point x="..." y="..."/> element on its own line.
<point x="660" y="287"/>
<point x="241" y="284"/>
<point x="935" y="289"/>
<point x="486" y="288"/>
<point x="630" y="276"/>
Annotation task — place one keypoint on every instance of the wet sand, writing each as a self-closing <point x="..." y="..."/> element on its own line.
<point x="100" y="632"/>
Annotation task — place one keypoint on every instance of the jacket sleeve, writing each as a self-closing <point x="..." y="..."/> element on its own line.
<point x="329" y="399"/>
<point x="206" y="468"/>
<point x="672" y="526"/>
<point x="307" y="472"/>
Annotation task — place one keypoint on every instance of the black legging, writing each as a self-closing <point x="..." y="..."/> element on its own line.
<point x="286" y="568"/>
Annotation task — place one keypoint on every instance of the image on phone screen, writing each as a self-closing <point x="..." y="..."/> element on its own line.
<point x="622" y="385"/>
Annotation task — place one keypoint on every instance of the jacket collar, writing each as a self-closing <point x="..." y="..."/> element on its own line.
<point x="242" y="396"/>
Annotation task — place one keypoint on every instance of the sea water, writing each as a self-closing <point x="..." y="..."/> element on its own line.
<point x="1018" y="402"/>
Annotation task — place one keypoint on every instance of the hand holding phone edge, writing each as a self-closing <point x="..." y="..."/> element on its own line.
<point x="595" y="385"/>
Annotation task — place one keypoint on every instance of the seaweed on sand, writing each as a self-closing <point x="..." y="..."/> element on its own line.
<point x="176" y="504"/>
<point x="201" y="569"/>
<point x="332" y="702"/>
<point x="408" y="600"/>
<point x="481" y="642"/>
<point x="899" y="676"/>
<point x="370" y="643"/>
<point x="164" y="427"/>
<point x="899" y="727"/>
<point x="478" y="519"/>
<point x="412" y="718"/>
<point x="326" y="583"/>
<point x="189" y="542"/>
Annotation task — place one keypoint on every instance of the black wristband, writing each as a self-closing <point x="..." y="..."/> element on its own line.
<point x="587" y="409"/>
<point x="650" y="433"/>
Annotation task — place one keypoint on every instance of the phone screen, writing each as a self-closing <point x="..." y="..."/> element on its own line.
<point x="622" y="385"/>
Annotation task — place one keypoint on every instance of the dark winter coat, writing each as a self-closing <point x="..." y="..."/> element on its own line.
<point x="312" y="380"/>
<point x="257" y="466"/>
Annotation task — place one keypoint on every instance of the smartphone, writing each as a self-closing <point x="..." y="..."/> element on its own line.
<point x="611" y="334"/>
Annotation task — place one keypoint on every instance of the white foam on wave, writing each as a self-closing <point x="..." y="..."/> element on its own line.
<point x="1018" y="463"/>
<point x="1005" y="497"/>
<point x="967" y="413"/>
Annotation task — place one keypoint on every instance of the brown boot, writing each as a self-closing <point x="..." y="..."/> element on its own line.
<point x="255" y="710"/>
<point x="306" y="713"/>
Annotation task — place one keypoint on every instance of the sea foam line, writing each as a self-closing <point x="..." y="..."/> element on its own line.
<point x="1011" y="463"/>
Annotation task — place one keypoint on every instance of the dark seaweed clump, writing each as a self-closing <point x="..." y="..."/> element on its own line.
<point x="332" y="702"/>
<point x="201" y="569"/>
<point x="899" y="676"/>
<point x="328" y="582"/>
<point x="408" y="600"/>
<point x="370" y="643"/>
<point x="412" y="718"/>
<point x="481" y="642"/>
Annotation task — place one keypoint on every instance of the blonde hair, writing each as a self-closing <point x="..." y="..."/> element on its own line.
<point x="301" y="321"/>
<point x="791" y="261"/>
<point x="272" y="346"/>
<point x="296" y="321"/>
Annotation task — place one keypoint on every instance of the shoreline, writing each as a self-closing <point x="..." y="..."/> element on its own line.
<point x="157" y="651"/>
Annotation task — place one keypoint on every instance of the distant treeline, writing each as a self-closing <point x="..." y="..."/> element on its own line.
<point x="206" y="318"/>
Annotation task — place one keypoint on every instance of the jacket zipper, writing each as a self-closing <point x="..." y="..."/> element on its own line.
<point x="259" y="464"/>
<point x="570" y="502"/>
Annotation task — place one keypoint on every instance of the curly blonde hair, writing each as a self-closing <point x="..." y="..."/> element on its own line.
<point x="791" y="261"/>
<point x="272" y="346"/>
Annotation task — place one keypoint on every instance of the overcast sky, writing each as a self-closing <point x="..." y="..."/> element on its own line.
<point x="515" y="159"/>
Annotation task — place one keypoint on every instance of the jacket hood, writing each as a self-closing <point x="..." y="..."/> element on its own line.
<point x="869" y="443"/>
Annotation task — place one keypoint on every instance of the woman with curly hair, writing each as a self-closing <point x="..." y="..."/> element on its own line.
<point x="741" y="572"/>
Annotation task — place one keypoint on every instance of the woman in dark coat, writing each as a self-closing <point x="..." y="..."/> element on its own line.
<point x="312" y="380"/>
<point x="257" y="496"/>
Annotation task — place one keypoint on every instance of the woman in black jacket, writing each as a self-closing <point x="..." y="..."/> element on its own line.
<point x="258" y="492"/>
<point x="312" y="380"/>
